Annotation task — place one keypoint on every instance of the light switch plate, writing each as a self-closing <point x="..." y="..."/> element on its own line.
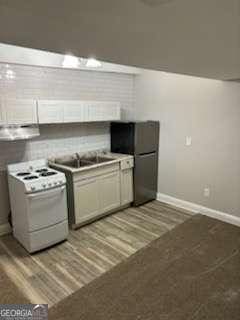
<point x="206" y="192"/>
<point x="188" y="141"/>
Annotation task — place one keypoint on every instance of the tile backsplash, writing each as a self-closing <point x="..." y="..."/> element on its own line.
<point x="29" y="82"/>
<point x="56" y="140"/>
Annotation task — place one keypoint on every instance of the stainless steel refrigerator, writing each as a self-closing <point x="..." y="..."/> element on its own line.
<point x="140" y="139"/>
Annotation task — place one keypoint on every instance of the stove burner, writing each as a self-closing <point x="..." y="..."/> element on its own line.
<point x="49" y="173"/>
<point x="31" y="178"/>
<point x="22" y="174"/>
<point x="42" y="170"/>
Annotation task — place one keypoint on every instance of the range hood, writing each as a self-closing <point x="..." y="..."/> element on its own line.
<point x="18" y="132"/>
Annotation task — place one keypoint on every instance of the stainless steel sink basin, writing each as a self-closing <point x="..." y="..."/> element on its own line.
<point x="82" y="162"/>
<point x="75" y="163"/>
<point x="97" y="159"/>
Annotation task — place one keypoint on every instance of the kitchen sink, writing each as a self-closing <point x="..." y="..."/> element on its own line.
<point x="75" y="163"/>
<point x="83" y="162"/>
<point x="97" y="159"/>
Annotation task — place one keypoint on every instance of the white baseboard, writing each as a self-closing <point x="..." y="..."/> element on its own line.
<point x="196" y="208"/>
<point x="5" y="229"/>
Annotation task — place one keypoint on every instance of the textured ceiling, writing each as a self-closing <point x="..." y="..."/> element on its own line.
<point x="196" y="37"/>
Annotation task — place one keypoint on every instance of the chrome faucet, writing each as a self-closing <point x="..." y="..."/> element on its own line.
<point x="78" y="159"/>
<point x="77" y="156"/>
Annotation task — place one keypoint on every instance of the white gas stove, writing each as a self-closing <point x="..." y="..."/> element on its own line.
<point x="38" y="204"/>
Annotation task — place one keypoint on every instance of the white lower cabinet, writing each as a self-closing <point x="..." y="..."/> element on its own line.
<point x="109" y="191"/>
<point x="95" y="196"/>
<point x="126" y="186"/>
<point x="86" y="199"/>
<point x="99" y="191"/>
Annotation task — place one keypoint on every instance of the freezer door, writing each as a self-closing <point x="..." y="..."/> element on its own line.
<point x="146" y="137"/>
<point x="145" y="178"/>
<point x="122" y="137"/>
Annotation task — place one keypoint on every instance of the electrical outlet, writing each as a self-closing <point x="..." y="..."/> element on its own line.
<point x="206" y="192"/>
<point x="188" y="141"/>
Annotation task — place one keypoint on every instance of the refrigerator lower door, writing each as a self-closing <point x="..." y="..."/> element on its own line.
<point x="145" y="178"/>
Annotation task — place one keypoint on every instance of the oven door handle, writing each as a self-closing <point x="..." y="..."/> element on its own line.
<point x="46" y="194"/>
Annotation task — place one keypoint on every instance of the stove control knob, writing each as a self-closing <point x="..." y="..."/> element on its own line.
<point x="60" y="182"/>
<point x="33" y="188"/>
<point x="49" y="184"/>
<point x="44" y="185"/>
<point x="55" y="183"/>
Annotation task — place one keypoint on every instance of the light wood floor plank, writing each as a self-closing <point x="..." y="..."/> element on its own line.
<point x="161" y="216"/>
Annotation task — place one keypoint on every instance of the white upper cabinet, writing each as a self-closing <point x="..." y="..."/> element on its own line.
<point x="113" y="111"/>
<point x="75" y="111"/>
<point x="22" y="111"/>
<point x="19" y="111"/>
<point x="69" y="111"/>
<point x="50" y="111"/>
<point x="104" y="111"/>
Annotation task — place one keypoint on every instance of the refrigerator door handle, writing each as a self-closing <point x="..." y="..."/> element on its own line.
<point x="147" y="154"/>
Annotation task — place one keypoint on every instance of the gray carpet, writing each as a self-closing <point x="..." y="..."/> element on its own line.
<point x="9" y="293"/>
<point x="190" y="273"/>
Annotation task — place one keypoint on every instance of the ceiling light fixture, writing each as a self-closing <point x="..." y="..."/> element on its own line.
<point x="10" y="74"/>
<point x="70" y="61"/>
<point x="93" y="63"/>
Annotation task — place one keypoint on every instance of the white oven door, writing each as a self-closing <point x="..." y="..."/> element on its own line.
<point x="47" y="208"/>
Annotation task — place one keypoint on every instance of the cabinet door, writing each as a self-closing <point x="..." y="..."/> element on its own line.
<point x="104" y="111"/>
<point x="95" y="112"/>
<point x="75" y="111"/>
<point x="86" y="199"/>
<point x="112" y="111"/>
<point x="19" y="111"/>
<point x="126" y="186"/>
<point x="109" y="191"/>
<point x="50" y="111"/>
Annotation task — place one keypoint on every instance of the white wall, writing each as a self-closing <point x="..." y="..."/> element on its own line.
<point x="49" y="83"/>
<point x="207" y="110"/>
